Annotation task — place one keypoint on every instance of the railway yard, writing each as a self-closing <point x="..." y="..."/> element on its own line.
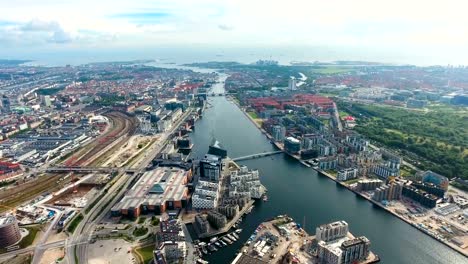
<point x="121" y="127"/>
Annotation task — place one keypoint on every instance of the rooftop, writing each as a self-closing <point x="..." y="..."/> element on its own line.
<point x="155" y="188"/>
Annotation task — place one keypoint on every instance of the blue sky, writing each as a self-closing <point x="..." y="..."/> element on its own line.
<point x="434" y="30"/>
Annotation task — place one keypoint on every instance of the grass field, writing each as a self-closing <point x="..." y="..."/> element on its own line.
<point x="253" y="115"/>
<point x="352" y="181"/>
<point x="140" y="231"/>
<point x="74" y="223"/>
<point x="145" y="254"/>
<point x="29" y="239"/>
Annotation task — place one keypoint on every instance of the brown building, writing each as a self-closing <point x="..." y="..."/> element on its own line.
<point x="9" y="231"/>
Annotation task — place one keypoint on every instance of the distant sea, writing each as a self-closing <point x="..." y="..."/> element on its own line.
<point x="196" y="54"/>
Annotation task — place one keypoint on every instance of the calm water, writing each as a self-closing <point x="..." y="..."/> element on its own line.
<point x="299" y="192"/>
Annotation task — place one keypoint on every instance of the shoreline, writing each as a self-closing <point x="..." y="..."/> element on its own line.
<point x="323" y="173"/>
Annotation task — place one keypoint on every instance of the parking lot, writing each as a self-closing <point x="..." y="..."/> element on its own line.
<point x="110" y="251"/>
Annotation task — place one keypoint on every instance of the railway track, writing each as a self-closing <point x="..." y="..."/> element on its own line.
<point x="123" y="126"/>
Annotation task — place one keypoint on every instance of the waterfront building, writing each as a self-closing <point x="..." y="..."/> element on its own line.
<point x="328" y="163"/>
<point x="240" y="200"/>
<point x="420" y="196"/>
<point x="216" y="219"/>
<point x="388" y="192"/>
<point x="292" y="145"/>
<point x="347" y="174"/>
<point x="435" y="178"/>
<point x="368" y="185"/>
<point x="9" y="231"/>
<point x="228" y="210"/>
<point x="430" y="188"/>
<point x="201" y="224"/>
<point x="279" y="133"/>
<point x="246" y="182"/>
<point x="355" y="250"/>
<point x="205" y="195"/>
<point x="217" y="149"/>
<point x="331" y="231"/>
<point x="210" y="168"/>
<point x="328" y="254"/>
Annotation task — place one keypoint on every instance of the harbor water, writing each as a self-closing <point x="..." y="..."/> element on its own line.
<point x="309" y="198"/>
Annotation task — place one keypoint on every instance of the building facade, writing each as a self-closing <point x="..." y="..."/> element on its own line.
<point x="9" y="231"/>
<point x="331" y="231"/>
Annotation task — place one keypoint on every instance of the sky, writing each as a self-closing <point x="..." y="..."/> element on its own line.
<point x="426" y="32"/>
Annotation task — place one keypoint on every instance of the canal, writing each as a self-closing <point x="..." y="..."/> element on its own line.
<point x="309" y="198"/>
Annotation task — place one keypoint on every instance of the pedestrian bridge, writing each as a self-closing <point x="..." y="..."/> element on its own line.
<point x="258" y="155"/>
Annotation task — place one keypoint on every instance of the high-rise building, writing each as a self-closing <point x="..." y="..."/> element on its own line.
<point x="347" y="174"/>
<point x="368" y="184"/>
<point x="210" y="168"/>
<point x="6" y="105"/>
<point x="205" y="195"/>
<point x="217" y="219"/>
<point x="9" y="231"/>
<point x="388" y="192"/>
<point x="292" y="84"/>
<point x="355" y="250"/>
<point x="217" y="149"/>
<point x="331" y="231"/>
<point x="278" y="132"/>
<point x="292" y="145"/>
<point x="46" y="101"/>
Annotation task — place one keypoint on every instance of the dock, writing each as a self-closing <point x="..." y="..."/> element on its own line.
<point x="229" y="225"/>
<point x="283" y="239"/>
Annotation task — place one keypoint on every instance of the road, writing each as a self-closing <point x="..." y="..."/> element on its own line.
<point x="79" y="240"/>
<point x="83" y="232"/>
<point x="40" y="249"/>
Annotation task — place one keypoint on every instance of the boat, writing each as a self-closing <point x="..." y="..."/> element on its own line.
<point x="235" y="236"/>
<point x="213" y="239"/>
<point x="201" y="261"/>
<point x="231" y="237"/>
<point x="203" y="248"/>
<point x="218" y="244"/>
<point x="223" y="243"/>
<point x="212" y="248"/>
<point x="227" y="240"/>
<point x="238" y="231"/>
<point x="265" y="198"/>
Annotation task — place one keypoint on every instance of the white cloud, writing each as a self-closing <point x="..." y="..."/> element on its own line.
<point x="390" y="24"/>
